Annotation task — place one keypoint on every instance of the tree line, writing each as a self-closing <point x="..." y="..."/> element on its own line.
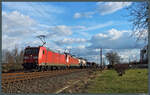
<point x="12" y="60"/>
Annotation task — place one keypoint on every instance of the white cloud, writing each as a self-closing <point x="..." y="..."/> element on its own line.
<point x="112" y="34"/>
<point x="83" y="30"/>
<point x="17" y="20"/>
<point x="103" y="8"/>
<point x="129" y="54"/>
<point x="15" y="24"/>
<point x="60" y="30"/>
<point x="63" y="30"/>
<point x="23" y="28"/>
<point x="20" y="29"/>
<point x="111" y="7"/>
<point x="98" y="26"/>
<point x="81" y="47"/>
<point x="36" y="9"/>
<point x="9" y="42"/>
<point x="114" y="39"/>
<point x="79" y="27"/>
<point x="101" y="35"/>
<point x="115" y="34"/>
<point x="77" y="15"/>
<point x="69" y="47"/>
<point x="70" y="41"/>
<point x="15" y="28"/>
<point x="85" y="14"/>
<point x="33" y="43"/>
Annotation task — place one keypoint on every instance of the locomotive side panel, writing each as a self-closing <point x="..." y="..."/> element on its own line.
<point x="74" y="61"/>
<point x="57" y="59"/>
<point x="62" y="59"/>
<point x="42" y="56"/>
<point x="49" y="58"/>
<point x="54" y="58"/>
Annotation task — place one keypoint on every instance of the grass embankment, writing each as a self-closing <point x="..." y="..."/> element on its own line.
<point x="134" y="81"/>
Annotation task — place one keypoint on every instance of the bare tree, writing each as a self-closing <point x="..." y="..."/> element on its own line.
<point x="21" y="56"/>
<point x="112" y="57"/>
<point x="138" y="14"/>
<point x="4" y="56"/>
<point x="13" y="60"/>
<point x="15" y="54"/>
<point x="9" y="57"/>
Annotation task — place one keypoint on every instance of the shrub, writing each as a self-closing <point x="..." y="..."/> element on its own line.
<point x="121" y="68"/>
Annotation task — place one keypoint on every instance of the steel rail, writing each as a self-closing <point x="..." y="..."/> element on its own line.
<point x="13" y="77"/>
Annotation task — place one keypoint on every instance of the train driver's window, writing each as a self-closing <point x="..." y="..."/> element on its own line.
<point x="43" y="51"/>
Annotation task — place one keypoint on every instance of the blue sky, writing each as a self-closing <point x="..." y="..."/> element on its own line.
<point x="81" y="27"/>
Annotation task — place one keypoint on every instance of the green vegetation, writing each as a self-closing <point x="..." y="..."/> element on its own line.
<point x="134" y="81"/>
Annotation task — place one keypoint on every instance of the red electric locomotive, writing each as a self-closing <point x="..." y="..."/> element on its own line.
<point x="43" y="58"/>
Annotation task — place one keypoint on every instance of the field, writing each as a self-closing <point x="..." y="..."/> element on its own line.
<point x="134" y="81"/>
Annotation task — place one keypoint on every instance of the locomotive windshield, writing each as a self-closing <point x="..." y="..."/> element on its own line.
<point x="29" y="51"/>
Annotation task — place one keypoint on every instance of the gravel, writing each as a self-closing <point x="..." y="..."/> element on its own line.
<point x="69" y="83"/>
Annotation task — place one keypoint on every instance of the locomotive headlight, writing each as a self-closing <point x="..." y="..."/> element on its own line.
<point x="26" y="57"/>
<point x="35" y="57"/>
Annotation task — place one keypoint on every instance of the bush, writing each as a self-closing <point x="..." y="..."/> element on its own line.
<point x="121" y="68"/>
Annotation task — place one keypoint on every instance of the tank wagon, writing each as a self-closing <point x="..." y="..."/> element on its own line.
<point x="82" y="63"/>
<point x="43" y="58"/>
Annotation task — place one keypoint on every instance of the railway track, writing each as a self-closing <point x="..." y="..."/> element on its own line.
<point x="21" y="76"/>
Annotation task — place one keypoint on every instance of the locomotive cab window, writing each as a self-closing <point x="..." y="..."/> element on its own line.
<point x="29" y="51"/>
<point x="43" y="51"/>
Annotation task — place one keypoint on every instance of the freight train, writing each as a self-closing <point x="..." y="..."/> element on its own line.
<point x="42" y="58"/>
